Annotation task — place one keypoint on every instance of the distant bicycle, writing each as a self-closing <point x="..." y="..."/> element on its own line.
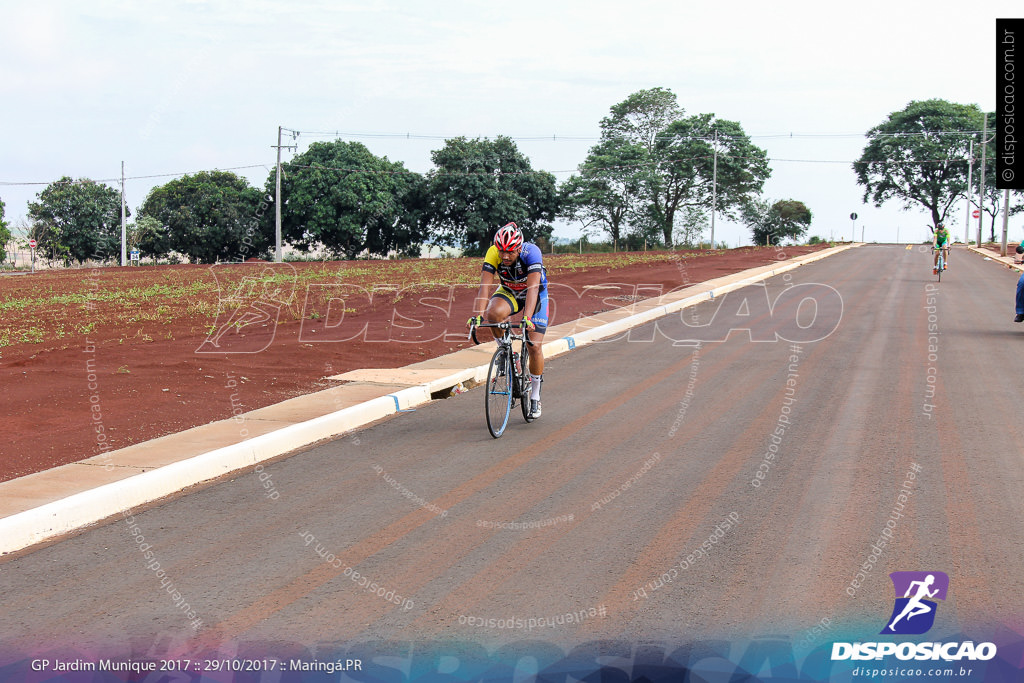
<point x="940" y="263"/>
<point x="940" y="243"/>
<point x="508" y="380"/>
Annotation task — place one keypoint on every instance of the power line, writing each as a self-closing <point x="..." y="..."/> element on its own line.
<point x="78" y="181"/>
<point x="590" y="138"/>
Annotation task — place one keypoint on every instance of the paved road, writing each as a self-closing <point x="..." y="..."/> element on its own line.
<point x="679" y="487"/>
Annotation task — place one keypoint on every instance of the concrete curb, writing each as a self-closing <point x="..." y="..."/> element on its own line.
<point x="79" y="510"/>
<point x="41" y="523"/>
<point x="1005" y="260"/>
<point x="669" y="304"/>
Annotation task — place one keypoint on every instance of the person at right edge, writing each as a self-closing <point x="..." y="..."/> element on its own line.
<point x="1019" y="318"/>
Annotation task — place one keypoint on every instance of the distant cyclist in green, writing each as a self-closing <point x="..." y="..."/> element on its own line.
<point x="940" y="240"/>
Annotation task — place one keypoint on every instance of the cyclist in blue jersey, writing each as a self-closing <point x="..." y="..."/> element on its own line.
<point x="513" y="279"/>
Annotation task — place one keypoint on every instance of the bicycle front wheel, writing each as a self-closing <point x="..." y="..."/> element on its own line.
<point x="526" y="384"/>
<point x="498" y="397"/>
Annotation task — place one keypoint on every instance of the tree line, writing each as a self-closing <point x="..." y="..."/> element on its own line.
<point x="651" y="178"/>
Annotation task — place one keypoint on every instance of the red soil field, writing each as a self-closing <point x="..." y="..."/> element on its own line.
<point x="153" y="348"/>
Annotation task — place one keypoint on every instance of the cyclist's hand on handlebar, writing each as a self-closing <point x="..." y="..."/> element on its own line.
<point x="527" y="323"/>
<point x="474" y="321"/>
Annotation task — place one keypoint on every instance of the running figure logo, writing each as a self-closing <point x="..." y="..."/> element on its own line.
<point x="914" y="613"/>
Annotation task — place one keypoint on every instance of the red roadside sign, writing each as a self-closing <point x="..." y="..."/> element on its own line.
<point x="976" y="213"/>
<point x="32" y="244"/>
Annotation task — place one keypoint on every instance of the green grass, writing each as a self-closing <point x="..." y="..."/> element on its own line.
<point x="129" y="296"/>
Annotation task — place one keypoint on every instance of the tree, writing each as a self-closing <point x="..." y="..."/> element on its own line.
<point x="690" y="227"/>
<point x="770" y="224"/>
<point x="918" y="156"/>
<point x="147" y="235"/>
<point x="792" y="220"/>
<point x="756" y="215"/>
<point x="642" y="117"/>
<point x="342" y="197"/>
<point x="606" y="191"/>
<point x="700" y="160"/>
<point x="77" y="220"/>
<point x="682" y="156"/>
<point x="209" y="217"/>
<point x="479" y="185"/>
<point x="5" y="234"/>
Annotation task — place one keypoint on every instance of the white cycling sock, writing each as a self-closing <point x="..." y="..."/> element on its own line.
<point x="535" y="387"/>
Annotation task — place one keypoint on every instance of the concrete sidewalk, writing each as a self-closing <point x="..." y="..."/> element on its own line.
<point x="43" y="506"/>
<point x="993" y="254"/>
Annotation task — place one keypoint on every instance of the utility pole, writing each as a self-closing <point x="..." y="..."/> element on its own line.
<point x="981" y="180"/>
<point x="970" y="179"/>
<point x="714" y="190"/>
<point x="124" y="229"/>
<point x="1006" y="219"/>
<point x="278" y="255"/>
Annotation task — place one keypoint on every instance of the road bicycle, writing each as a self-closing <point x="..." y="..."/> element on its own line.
<point x="940" y="264"/>
<point x="508" y="377"/>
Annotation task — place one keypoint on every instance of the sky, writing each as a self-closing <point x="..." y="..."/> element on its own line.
<point x="182" y="86"/>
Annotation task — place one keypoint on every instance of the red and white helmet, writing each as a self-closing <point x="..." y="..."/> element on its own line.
<point x="509" y="237"/>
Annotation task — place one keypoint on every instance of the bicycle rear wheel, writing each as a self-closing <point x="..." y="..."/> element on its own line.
<point x="525" y="383"/>
<point x="498" y="397"/>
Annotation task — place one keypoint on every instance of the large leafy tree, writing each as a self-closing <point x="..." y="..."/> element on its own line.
<point x="5" y="234"/>
<point x="479" y="185"/>
<point x="919" y="156"/>
<point x="342" y="197"/>
<point x="605" y="192"/>
<point x="772" y="223"/>
<point x="700" y="160"/>
<point x="77" y="220"/>
<point x="682" y="154"/>
<point x="210" y="216"/>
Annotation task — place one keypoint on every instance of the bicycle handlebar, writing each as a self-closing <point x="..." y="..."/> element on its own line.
<point x="505" y="325"/>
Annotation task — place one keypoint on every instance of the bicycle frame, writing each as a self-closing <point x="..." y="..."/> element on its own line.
<point x="940" y="262"/>
<point x="511" y="365"/>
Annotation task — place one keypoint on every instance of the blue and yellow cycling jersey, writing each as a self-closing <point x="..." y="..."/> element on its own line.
<point x="513" y="277"/>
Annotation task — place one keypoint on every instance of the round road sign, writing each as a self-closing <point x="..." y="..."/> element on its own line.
<point x="32" y="244"/>
<point x="853" y="216"/>
<point x="976" y="213"/>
